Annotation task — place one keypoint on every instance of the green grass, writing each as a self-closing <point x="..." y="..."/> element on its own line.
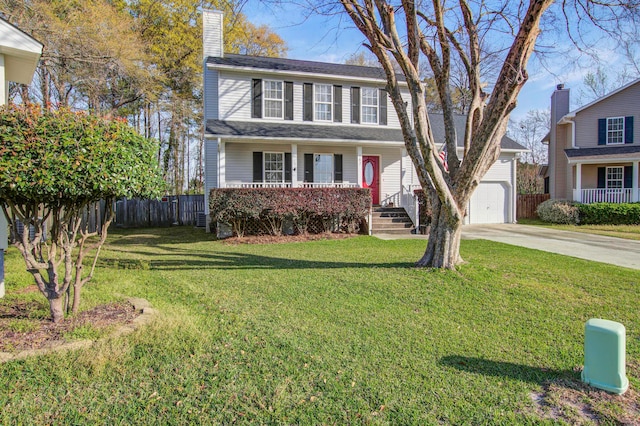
<point x="629" y="232"/>
<point x="326" y="332"/>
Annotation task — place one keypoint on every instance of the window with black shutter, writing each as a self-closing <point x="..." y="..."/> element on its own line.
<point x="337" y="104"/>
<point x="337" y="168"/>
<point x="288" y="100"/>
<point x="308" y="167"/>
<point x="382" y="99"/>
<point x="256" y="107"/>
<point x="355" y="105"/>
<point x="257" y="166"/>
<point x="287" y="167"/>
<point x="307" y="95"/>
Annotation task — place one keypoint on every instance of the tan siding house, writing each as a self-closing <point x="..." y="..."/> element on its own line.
<point x="594" y="151"/>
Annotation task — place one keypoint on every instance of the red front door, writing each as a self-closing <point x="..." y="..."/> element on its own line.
<point x="371" y="176"/>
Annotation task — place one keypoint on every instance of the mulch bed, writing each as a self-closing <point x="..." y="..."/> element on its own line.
<point x="44" y="333"/>
<point x="271" y="239"/>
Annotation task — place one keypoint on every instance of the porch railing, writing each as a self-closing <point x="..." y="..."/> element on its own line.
<point x="327" y="185"/>
<point x="410" y="203"/>
<point x="289" y="185"/>
<point x="588" y="196"/>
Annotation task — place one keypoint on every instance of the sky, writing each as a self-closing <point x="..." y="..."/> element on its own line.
<point x="334" y="39"/>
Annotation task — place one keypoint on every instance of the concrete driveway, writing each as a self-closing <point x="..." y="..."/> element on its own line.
<point x="616" y="251"/>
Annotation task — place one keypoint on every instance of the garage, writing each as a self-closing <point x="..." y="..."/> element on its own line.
<point x="489" y="203"/>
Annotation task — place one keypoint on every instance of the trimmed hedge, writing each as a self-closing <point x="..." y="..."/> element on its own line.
<point x="609" y="214"/>
<point x="271" y="207"/>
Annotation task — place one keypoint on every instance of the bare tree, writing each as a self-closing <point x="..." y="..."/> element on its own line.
<point x="443" y="32"/>
<point x="529" y="133"/>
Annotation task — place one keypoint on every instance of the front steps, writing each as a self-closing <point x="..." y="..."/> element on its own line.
<point x="391" y="220"/>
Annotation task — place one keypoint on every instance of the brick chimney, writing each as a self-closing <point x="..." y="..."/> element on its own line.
<point x="212" y="33"/>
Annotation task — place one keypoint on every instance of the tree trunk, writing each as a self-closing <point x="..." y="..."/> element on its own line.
<point x="76" y="298"/>
<point x="443" y="246"/>
<point x="56" y="308"/>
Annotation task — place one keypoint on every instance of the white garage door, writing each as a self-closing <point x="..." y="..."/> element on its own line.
<point x="489" y="203"/>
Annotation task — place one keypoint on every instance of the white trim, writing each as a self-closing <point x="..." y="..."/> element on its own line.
<point x="265" y="99"/>
<point x="609" y="131"/>
<point x="606" y="177"/>
<point x="316" y="102"/>
<point x="294" y="165"/>
<point x="604" y="159"/>
<point x="376" y="106"/>
<point x="264" y="167"/>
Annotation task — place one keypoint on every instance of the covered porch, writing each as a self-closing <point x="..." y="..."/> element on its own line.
<point x="605" y="175"/>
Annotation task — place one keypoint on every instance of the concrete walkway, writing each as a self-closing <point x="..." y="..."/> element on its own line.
<point x="615" y="251"/>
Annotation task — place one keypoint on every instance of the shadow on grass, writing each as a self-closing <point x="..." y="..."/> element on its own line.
<point x="510" y="370"/>
<point x="183" y="259"/>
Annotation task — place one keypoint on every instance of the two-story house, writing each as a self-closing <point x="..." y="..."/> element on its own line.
<point x="275" y="122"/>
<point x="594" y="151"/>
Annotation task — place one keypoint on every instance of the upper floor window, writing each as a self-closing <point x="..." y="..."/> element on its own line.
<point x="615" y="130"/>
<point x="369" y="105"/>
<point x="323" y="102"/>
<point x="273" y="99"/>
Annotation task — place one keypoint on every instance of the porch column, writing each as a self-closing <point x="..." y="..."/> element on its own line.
<point x="578" y="197"/>
<point x="221" y="166"/>
<point x="294" y="165"/>
<point x="359" y="165"/>
<point x="634" y="183"/>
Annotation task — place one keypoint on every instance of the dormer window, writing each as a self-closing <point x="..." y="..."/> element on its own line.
<point x="273" y="99"/>
<point x="615" y="131"/>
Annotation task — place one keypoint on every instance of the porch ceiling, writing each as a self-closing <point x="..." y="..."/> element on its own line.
<point x="619" y="154"/>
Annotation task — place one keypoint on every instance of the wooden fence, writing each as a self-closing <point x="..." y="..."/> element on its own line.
<point x="168" y="211"/>
<point x="527" y="204"/>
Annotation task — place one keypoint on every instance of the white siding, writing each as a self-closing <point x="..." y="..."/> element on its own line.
<point x="211" y="111"/>
<point x="212" y="34"/>
<point x="235" y="97"/>
<point x="501" y="169"/>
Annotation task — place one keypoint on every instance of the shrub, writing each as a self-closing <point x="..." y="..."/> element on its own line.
<point x="344" y="208"/>
<point x="558" y="211"/>
<point x="609" y="214"/>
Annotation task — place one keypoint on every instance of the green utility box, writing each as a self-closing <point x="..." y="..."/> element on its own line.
<point x="604" y="356"/>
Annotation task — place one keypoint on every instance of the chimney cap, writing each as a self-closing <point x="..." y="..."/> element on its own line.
<point x="560" y="86"/>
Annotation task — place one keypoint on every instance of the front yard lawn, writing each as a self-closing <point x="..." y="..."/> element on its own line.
<point x="331" y="332"/>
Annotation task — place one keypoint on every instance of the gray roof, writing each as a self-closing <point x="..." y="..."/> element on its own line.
<point x="605" y="150"/>
<point x="296" y="65"/>
<point x="258" y="129"/>
<point x="261" y="129"/>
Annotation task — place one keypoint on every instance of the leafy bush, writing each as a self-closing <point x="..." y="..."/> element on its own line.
<point x="609" y="214"/>
<point x="558" y="211"/>
<point x="272" y="206"/>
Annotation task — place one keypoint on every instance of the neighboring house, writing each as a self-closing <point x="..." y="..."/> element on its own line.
<point x="594" y="151"/>
<point x="19" y="56"/>
<point x="274" y="122"/>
